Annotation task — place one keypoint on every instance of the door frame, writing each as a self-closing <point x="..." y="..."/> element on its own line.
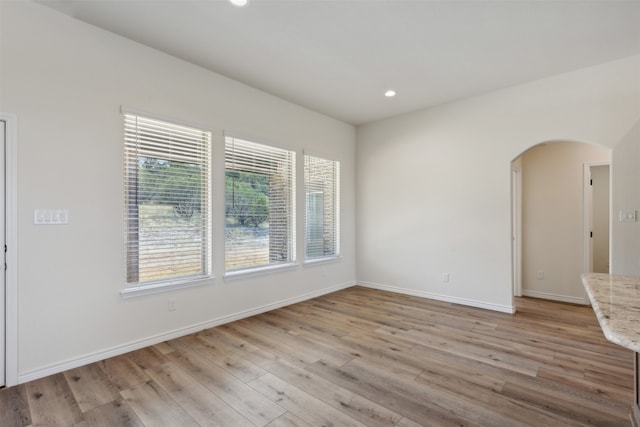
<point x="516" y="229"/>
<point x="11" y="239"/>
<point x="588" y="215"/>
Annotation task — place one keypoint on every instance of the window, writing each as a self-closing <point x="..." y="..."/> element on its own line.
<point x="322" y="218"/>
<point x="167" y="177"/>
<point x="259" y="205"/>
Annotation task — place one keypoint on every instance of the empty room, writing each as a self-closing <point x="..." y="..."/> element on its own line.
<point x="319" y="213"/>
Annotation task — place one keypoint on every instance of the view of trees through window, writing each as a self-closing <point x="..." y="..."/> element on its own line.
<point x="166" y="201"/>
<point x="246" y="219"/>
<point x="259" y="205"/>
<point x="167" y="194"/>
<point x="170" y="183"/>
<point x="247" y="198"/>
<point x="169" y="219"/>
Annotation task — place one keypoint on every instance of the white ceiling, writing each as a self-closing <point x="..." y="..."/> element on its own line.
<point x="338" y="57"/>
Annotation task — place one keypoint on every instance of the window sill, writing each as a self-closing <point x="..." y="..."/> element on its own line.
<point x="158" y="287"/>
<point x="323" y="260"/>
<point x="258" y="271"/>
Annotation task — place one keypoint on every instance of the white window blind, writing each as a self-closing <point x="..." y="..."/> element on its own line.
<point x="167" y="185"/>
<point x="322" y="216"/>
<point x="259" y="205"/>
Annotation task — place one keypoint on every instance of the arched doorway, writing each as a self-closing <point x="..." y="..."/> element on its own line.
<point x="548" y="217"/>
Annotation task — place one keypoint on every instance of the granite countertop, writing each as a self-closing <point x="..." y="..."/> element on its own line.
<point x="616" y="301"/>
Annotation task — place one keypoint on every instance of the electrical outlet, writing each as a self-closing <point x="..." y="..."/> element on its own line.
<point x="445" y="277"/>
<point x="540" y="275"/>
<point x="172" y="304"/>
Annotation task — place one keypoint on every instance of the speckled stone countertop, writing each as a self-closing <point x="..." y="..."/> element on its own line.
<point x="616" y="301"/>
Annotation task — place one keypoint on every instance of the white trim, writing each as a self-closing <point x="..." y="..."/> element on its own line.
<point x="587" y="224"/>
<point x="176" y="333"/>
<point x="516" y="230"/>
<point x="588" y="215"/>
<point x="165" y="286"/>
<point x="301" y="207"/>
<point x="254" y="139"/>
<point x="587" y="201"/>
<point x="11" y="237"/>
<point x="556" y="297"/>
<point x="322" y="260"/>
<point x="259" y="271"/>
<point x="337" y="211"/>
<point x="320" y="154"/>
<point x="180" y="122"/>
<point x="439" y="297"/>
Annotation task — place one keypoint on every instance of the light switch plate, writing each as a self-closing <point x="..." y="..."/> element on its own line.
<point x="50" y="216"/>
<point x="628" y="216"/>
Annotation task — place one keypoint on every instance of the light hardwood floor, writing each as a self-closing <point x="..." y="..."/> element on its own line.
<point x="357" y="357"/>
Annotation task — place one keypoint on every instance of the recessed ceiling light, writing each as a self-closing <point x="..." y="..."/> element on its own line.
<point x="390" y="93"/>
<point x="239" y="3"/>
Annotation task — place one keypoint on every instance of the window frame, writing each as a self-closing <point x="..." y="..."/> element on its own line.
<point x="337" y="255"/>
<point x="291" y="263"/>
<point x="136" y="288"/>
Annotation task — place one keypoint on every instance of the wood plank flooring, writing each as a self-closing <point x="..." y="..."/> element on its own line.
<point x="358" y="357"/>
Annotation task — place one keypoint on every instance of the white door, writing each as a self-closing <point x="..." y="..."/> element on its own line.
<point x="3" y="287"/>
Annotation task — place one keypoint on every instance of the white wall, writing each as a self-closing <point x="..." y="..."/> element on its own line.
<point x="433" y="186"/>
<point x="66" y="81"/>
<point x="625" y="195"/>
<point x="552" y="218"/>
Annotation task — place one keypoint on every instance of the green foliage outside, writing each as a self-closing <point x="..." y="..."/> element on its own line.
<point x="179" y="185"/>
<point x="168" y="182"/>
<point x="246" y="198"/>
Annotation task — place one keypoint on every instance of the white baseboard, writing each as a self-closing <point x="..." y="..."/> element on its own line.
<point x="176" y="333"/>
<point x="555" y="297"/>
<point x="439" y="297"/>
